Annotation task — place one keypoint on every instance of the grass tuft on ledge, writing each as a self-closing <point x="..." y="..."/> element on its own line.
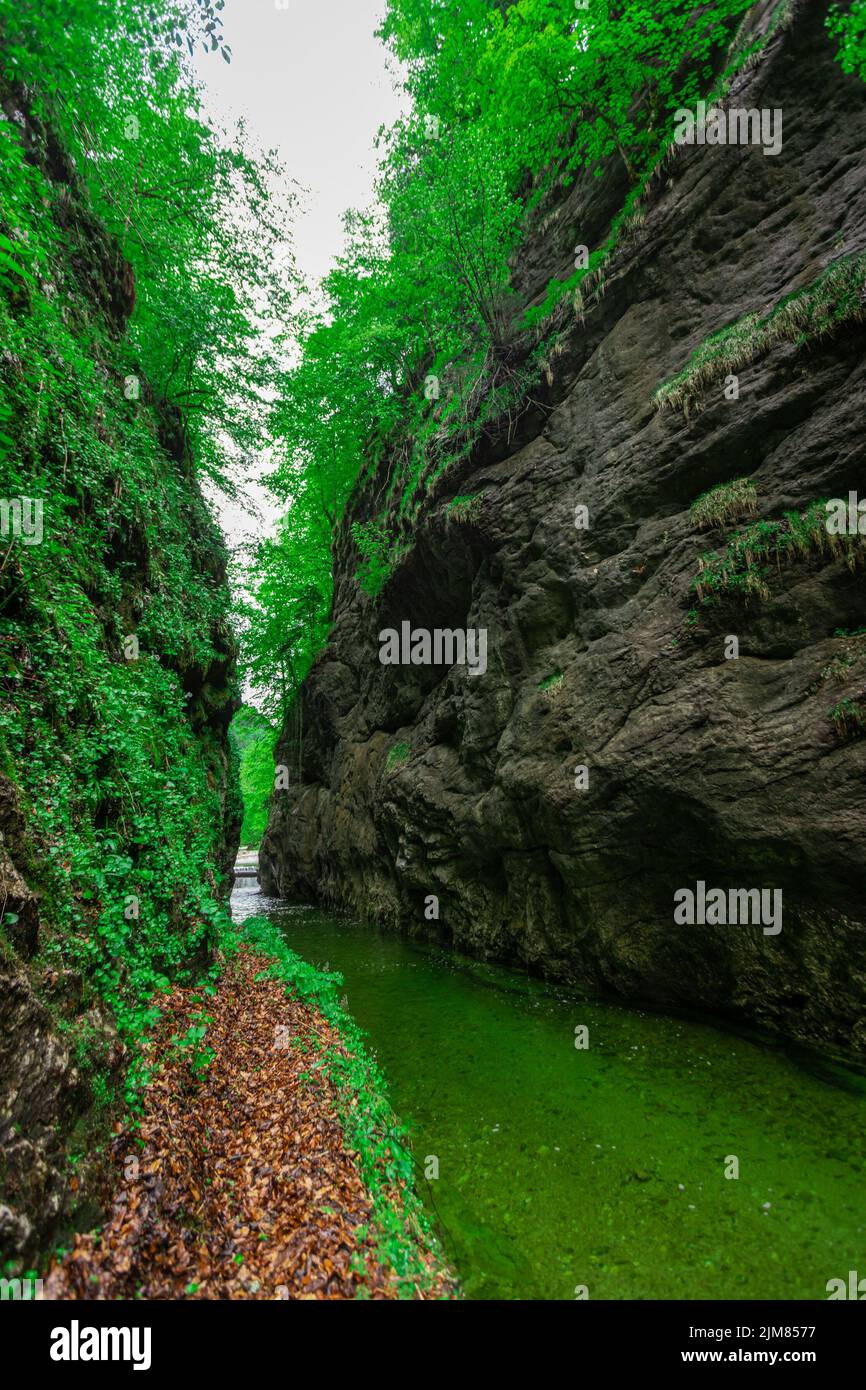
<point x="466" y="507"/>
<point x="551" y="685"/>
<point x="727" y="502"/>
<point x="741" y="570"/>
<point x="834" y="298"/>
<point x="849" y="719"/>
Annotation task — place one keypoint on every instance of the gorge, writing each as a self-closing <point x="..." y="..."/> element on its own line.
<point x="382" y="651"/>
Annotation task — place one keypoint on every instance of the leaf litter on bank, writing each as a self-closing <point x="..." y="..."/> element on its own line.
<point x="237" y="1183"/>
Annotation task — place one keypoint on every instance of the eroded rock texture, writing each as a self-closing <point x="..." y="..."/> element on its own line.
<point x="729" y="771"/>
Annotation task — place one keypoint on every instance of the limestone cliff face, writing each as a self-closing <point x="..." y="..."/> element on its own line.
<point x="60" y="1049"/>
<point x="700" y="767"/>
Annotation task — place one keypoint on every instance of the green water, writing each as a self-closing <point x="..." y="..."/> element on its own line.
<point x="602" y="1167"/>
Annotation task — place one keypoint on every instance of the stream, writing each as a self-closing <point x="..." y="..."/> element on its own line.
<point x="601" y="1167"/>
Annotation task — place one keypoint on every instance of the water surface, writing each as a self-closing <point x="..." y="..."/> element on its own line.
<point x="602" y="1167"/>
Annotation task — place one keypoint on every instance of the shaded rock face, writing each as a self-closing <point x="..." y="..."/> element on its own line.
<point x="700" y="767"/>
<point x="40" y="1091"/>
<point x="41" y="1097"/>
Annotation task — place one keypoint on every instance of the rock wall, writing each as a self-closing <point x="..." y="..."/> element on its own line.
<point x="700" y="767"/>
<point x="62" y="1056"/>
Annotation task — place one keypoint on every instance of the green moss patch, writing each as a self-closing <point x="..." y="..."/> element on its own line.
<point x="397" y="755"/>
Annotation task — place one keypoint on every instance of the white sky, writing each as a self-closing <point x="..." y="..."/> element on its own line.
<point x="311" y="82"/>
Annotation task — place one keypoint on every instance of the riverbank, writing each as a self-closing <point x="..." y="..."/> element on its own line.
<point x="608" y="1165"/>
<point x="266" y="1163"/>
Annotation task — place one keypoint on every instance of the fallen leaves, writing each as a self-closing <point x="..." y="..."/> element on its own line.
<point x="241" y="1185"/>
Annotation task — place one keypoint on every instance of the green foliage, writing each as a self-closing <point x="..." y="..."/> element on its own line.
<point x="419" y="349"/>
<point x="600" y="81"/>
<point x="849" y="715"/>
<point x="247" y="728"/>
<point x="551" y="683"/>
<point x="122" y="802"/>
<point x="375" y="549"/>
<point x="202" y="223"/>
<point x="741" y="569"/>
<point x="118" y="387"/>
<point x="254" y="738"/>
<point x="199" y="1056"/>
<point x="834" y="298"/>
<point x="849" y="26"/>
<point x="398" y="754"/>
<point x="848" y="659"/>
<point x="285" y="617"/>
<point x="724" y="503"/>
<point x="372" y="1131"/>
<point x="849" y="719"/>
<point x="465" y="508"/>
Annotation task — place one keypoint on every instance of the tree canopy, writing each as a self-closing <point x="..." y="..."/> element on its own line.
<point x="418" y="345"/>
